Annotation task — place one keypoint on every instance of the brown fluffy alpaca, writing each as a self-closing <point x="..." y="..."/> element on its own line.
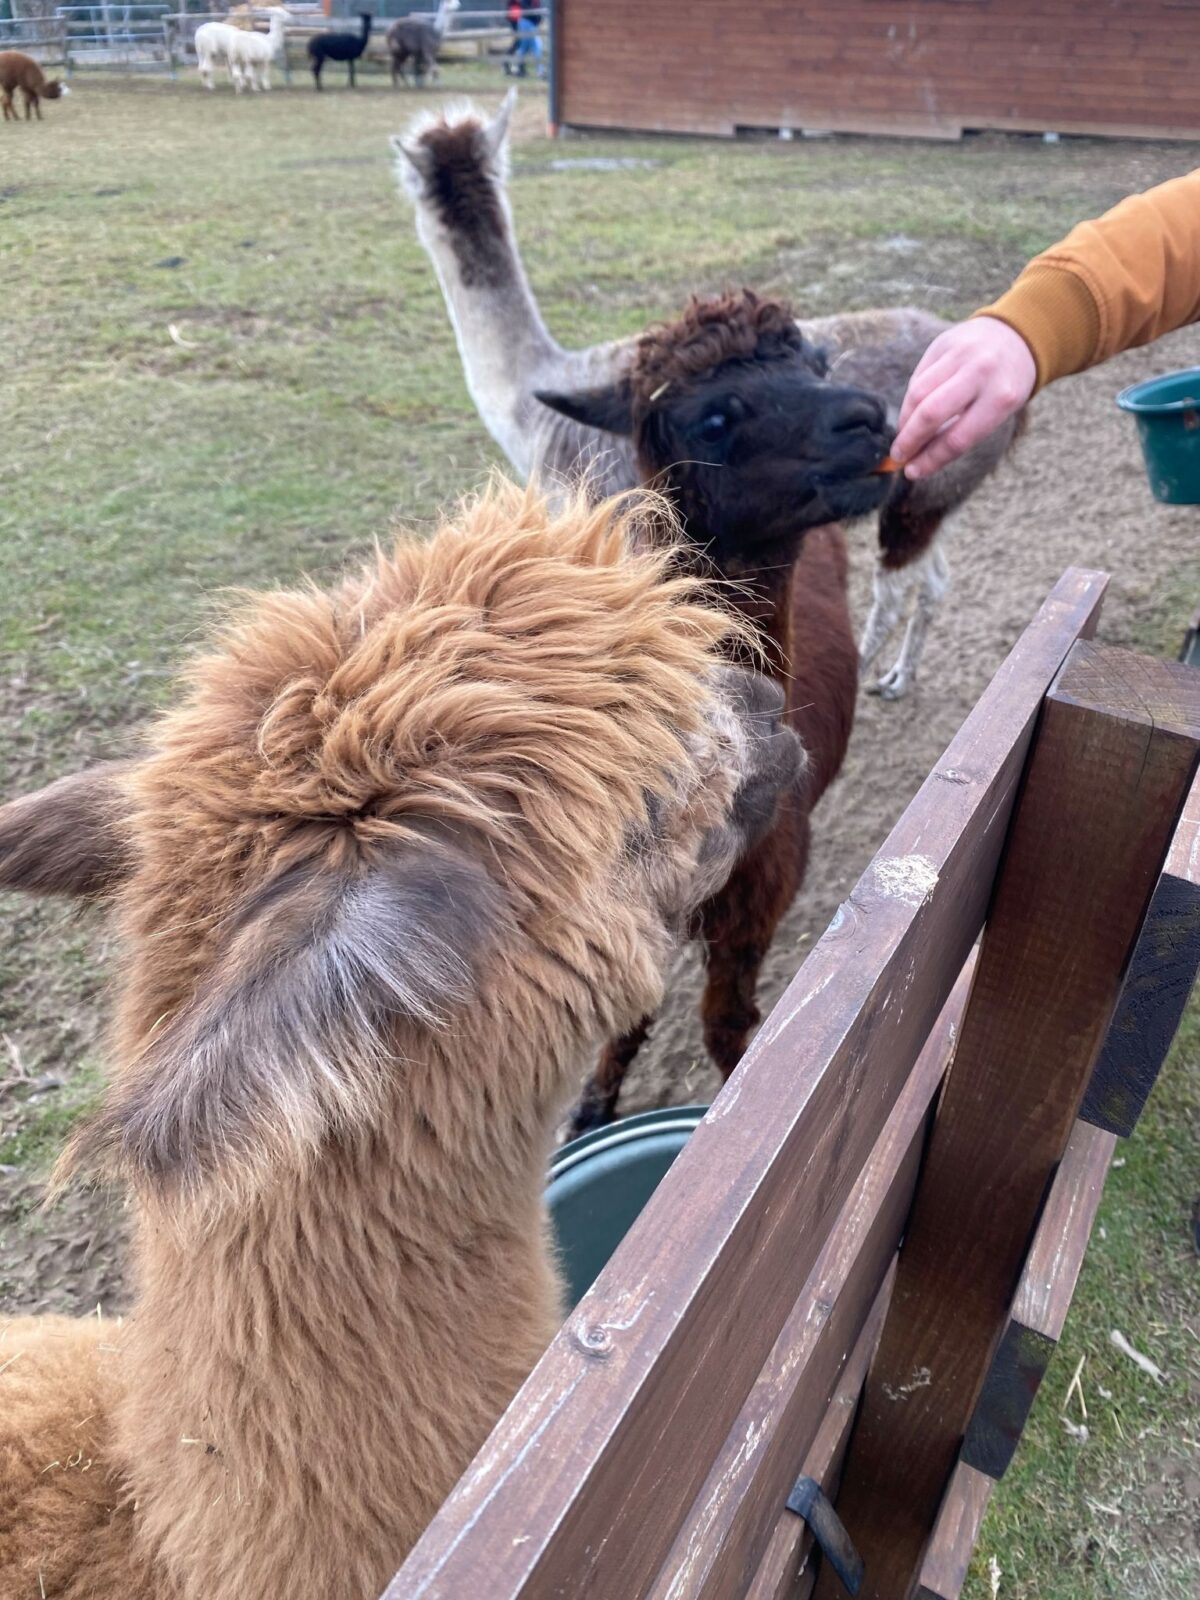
<point x="18" y="71"/>
<point x="402" y="855"/>
<point x="731" y="416"/>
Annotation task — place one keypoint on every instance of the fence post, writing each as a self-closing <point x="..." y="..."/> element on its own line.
<point x="1110" y="770"/>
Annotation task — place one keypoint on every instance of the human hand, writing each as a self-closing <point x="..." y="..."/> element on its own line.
<point x="970" y="379"/>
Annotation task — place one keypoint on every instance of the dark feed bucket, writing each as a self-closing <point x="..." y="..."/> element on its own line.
<point x="1168" y="419"/>
<point x="599" y="1183"/>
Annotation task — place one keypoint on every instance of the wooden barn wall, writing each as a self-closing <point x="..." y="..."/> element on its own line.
<point x="930" y="67"/>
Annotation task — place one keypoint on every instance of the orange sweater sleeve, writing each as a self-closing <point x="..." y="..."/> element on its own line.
<point x="1121" y="281"/>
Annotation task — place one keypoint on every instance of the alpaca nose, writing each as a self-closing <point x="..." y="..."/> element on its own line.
<point x="858" y="412"/>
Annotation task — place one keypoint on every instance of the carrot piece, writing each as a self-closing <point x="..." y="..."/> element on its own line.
<point x="888" y="464"/>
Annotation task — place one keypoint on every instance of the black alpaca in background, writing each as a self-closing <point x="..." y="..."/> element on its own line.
<point x="347" y="47"/>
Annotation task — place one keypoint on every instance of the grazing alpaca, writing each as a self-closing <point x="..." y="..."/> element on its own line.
<point x="411" y="37"/>
<point x="347" y="47"/>
<point x="18" y="71"/>
<point x="455" y="168"/>
<point x="732" y="416"/>
<point x="399" y="858"/>
<point x="251" y="54"/>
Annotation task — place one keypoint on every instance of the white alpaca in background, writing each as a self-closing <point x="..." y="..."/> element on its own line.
<point x="248" y="55"/>
<point x="213" y="42"/>
<point x="253" y="53"/>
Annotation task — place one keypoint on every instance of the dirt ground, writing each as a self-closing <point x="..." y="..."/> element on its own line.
<point x="1074" y="493"/>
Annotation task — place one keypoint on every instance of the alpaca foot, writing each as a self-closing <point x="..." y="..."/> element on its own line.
<point x="894" y="684"/>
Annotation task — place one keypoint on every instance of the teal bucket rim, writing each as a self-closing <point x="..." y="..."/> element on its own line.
<point x="664" y="1120"/>
<point x="1130" y="400"/>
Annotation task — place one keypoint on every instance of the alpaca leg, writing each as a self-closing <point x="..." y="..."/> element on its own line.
<point x="906" y="532"/>
<point x="7" y="106"/>
<point x="739" y="925"/>
<point x="598" y="1103"/>
<point x="933" y="578"/>
<point x="350" y="64"/>
<point x="889" y="594"/>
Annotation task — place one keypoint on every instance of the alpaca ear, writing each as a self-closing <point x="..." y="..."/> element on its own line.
<point x="291" y="1040"/>
<point x="496" y="131"/>
<point x="68" y="838"/>
<point x="414" y="162"/>
<point x="610" y="408"/>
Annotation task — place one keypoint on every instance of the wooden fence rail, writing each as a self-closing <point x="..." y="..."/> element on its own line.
<point x="722" y="1351"/>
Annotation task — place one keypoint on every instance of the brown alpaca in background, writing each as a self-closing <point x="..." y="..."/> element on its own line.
<point x="733" y="419"/>
<point x="22" y="72"/>
<point x="401" y="857"/>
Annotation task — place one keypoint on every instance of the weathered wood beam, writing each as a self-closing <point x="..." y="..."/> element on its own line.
<point x="1111" y="767"/>
<point x="1160" y="980"/>
<point x="585" y="1482"/>
<point x="1039" y="1308"/>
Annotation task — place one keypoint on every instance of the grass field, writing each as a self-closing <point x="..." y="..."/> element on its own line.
<point x="227" y="362"/>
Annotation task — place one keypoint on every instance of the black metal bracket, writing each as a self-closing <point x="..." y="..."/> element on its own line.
<point x="809" y="1501"/>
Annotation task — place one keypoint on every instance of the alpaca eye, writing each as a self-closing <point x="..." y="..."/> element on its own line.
<point x="715" y="426"/>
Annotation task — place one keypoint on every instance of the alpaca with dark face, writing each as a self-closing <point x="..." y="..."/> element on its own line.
<point x="347" y="47"/>
<point x="733" y="417"/>
<point x="732" y="411"/>
<point x="455" y="170"/>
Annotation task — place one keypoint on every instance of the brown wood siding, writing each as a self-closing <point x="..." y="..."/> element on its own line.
<point x="931" y="67"/>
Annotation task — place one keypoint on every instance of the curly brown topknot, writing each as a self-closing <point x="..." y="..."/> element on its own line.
<point x="734" y="326"/>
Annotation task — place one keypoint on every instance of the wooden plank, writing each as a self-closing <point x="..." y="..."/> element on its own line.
<point x="1111" y="767"/>
<point x="781" y="1568"/>
<point x="586" y="1480"/>
<point x="955" y="1534"/>
<point x="1160" y="980"/>
<point x="725" y="1533"/>
<point x="1040" y="1305"/>
<point x="1021" y="66"/>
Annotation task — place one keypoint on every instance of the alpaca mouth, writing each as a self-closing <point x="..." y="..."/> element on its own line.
<point x="855" y="494"/>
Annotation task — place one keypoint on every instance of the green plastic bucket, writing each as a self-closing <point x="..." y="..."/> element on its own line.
<point x="1168" y="419"/>
<point x="599" y="1183"/>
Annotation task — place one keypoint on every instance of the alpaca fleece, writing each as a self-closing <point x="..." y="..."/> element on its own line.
<point x="402" y="854"/>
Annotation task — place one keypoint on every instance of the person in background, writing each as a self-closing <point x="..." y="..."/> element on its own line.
<point x="1113" y="284"/>
<point x="513" y="13"/>
<point x="529" y="40"/>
